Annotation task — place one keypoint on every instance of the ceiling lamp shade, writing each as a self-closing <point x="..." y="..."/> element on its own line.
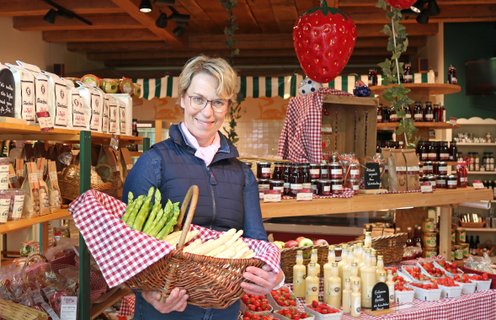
<point x="145" y="6"/>
<point x="161" y="20"/>
<point x="50" y="16"/>
<point x="433" y="8"/>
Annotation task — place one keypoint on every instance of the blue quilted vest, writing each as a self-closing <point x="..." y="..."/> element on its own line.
<point x="220" y="201"/>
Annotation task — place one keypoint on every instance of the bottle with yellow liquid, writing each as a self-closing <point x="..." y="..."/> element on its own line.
<point x="314" y="262"/>
<point x="344" y="259"/>
<point x="380" y="265"/>
<point x="347" y="269"/>
<point x="354" y="273"/>
<point x="333" y="294"/>
<point x="311" y="284"/>
<point x="356" y="306"/>
<point x="367" y="242"/>
<point x="331" y="258"/>
<point x="382" y="276"/>
<point x="299" y="273"/>
<point x="347" y="296"/>
<point x="369" y="277"/>
<point x="390" y="284"/>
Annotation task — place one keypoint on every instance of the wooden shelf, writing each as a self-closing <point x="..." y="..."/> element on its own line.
<point x="420" y="125"/>
<point x="26" y="223"/>
<point x="469" y="144"/>
<point x="423" y="89"/>
<point x="482" y="172"/>
<point x="98" y="308"/>
<point x="367" y="203"/>
<point x="478" y="229"/>
<point x="17" y="131"/>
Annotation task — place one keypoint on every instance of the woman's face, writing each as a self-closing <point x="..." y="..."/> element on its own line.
<point x="203" y="122"/>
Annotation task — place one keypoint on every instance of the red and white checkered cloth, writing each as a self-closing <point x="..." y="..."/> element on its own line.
<point x="122" y="252"/>
<point x="300" y="139"/>
<point x="127" y="305"/>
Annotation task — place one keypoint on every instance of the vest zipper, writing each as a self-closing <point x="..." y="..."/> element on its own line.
<point x="214" y="207"/>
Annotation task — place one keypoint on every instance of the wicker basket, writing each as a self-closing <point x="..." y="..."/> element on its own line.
<point x="288" y="258"/>
<point x="391" y="247"/>
<point x="473" y="224"/>
<point x="69" y="183"/>
<point x="210" y="282"/>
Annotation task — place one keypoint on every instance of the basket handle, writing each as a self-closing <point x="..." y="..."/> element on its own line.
<point x="190" y="199"/>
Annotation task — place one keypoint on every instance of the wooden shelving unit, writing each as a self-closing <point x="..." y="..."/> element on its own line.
<point x="422" y="89"/>
<point x="98" y="308"/>
<point x="470" y="144"/>
<point x="479" y="229"/>
<point x="420" y="125"/>
<point x="28" y="222"/>
<point x="482" y="172"/>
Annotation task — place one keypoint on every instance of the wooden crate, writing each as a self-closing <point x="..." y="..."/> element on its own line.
<point x="349" y="126"/>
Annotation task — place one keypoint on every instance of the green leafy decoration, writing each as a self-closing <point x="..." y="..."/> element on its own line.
<point x="235" y="106"/>
<point x="397" y="95"/>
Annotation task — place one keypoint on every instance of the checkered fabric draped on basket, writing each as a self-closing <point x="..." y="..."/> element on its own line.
<point x="122" y="252"/>
<point x="300" y="139"/>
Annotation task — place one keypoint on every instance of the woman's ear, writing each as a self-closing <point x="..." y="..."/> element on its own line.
<point x="181" y="101"/>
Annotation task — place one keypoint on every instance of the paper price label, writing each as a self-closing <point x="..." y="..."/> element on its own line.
<point x="304" y="196"/>
<point x="478" y="185"/>
<point x="426" y="188"/>
<point x="68" y="308"/>
<point x="272" y="197"/>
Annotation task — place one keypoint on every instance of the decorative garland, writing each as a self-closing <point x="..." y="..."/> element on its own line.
<point x="235" y="106"/>
<point x="397" y="95"/>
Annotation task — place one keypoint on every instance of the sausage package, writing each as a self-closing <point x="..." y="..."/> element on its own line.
<point x="31" y="190"/>
<point x="54" y="195"/>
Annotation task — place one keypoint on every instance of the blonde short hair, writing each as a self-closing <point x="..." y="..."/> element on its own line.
<point x="218" y="68"/>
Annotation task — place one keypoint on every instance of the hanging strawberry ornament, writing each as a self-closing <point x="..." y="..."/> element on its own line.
<point x="400" y="4"/>
<point x="324" y="39"/>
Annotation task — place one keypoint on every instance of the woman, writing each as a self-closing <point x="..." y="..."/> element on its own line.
<point x="196" y="153"/>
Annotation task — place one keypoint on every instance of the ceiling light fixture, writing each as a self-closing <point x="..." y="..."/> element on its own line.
<point x="161" y="20"/>
<point x="50" y="16"/>
<point x="62" y="11"/>
<point x="433" y="8"/>
<point x="145" y="6"/>
<point x="178" y="17"/>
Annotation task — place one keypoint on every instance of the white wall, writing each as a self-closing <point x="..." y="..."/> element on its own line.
<point x="30" y="47"/>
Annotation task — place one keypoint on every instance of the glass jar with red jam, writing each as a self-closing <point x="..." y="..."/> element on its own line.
<point x="305" y="167"/>
<point x="277" y="185"/>
<point x="452" y="181"/>
<point x="324" y="187"/>
<point x="263" y="170"/>
<point x="354" y="169"/>
<point x="314" y="171"/>
<point x="286" y="177"/>
<point x="427" y="168"/>
<point x="336" y="186"/>
<point x="353" y="184"/>
<point x="296" y="180"/>
<point x="278" y="173"/>
<point x="441" y="181"/>
<point x="442" y="168"/>
<point x="462" y="174"/>
<point x="335" y="168"/>
<point x="324" y="171"/>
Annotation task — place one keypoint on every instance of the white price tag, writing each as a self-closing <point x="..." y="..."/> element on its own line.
<point x="426" y="188"/>
<point x="68" y="308"/>
<point x="478" y="185"/>
<point x="45" y="120"/>
<point x="272" y="197"/>
<point x="304" y="196"/>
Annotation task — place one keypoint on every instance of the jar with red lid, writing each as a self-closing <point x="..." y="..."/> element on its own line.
<point x="461" y="173"/>
<point x="314" y="171"/>
<point x="442" y="168"/>
<point x="354" y="169"/>
<point x="452" y="181"/>
<point x="277" y="185"/>
<point x="336" y="186"/>
<point x="324" y="171"/>
<point x="263" y="170"/>
<point x="335" y="169"/>
<point x="324" y="187"/>
<point x="296" y="180"/>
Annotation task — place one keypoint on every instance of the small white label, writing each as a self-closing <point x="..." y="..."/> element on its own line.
<point x="272" y="197"/>
<point x="4" y="210"/>
<point x="413" y="169"/>
<point x="327" y="188"/>
<point x="443" y="169"/>
<point x="354" y="172"/>
<point x="400" y="169"/>
<point x="337" y="187"/>
<point x="478" y="185"/>
<point x="379" y="118"/>
<point x="68" y="308"/>
<point x="296" y="186"/>
<point x="314" y="172"/>
<point x="418" y="117"/>
<point x="44" y="120"/>
<point x="429" y="116"/>
<point x="336" y="172"/>
<point x="452" y="183"/>
<point x="18" y="206"/>
<point x="426" y="188"/>
<point x="324" y="171"/>
<point x="266" y="170"/>
<point x="304" y="196"/>
<point x="280" y="189"/>
<point x="307" y="185"/>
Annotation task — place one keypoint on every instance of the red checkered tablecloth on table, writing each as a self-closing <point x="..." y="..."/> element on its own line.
<point x="122" y="252"/>
<point x="300" y="139"/>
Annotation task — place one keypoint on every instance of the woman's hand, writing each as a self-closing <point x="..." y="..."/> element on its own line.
<point x="263" y="280"/>
<point x="176" y="301"/>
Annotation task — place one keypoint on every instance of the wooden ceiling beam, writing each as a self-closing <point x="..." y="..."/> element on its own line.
<point x="284" y="14"/>
<point x="100" y="21"/>
<point x="13" y="8"/>
<point x="113" y="35"/>
<point x="148" y="20"/>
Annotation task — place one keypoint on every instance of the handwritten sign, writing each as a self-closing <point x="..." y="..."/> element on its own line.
<point x="380" y="296"/>
<point x="7" y="94"/>
<point x="372" y="175"/>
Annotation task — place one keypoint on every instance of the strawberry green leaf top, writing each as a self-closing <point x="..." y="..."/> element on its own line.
<point x="324" y="39"/>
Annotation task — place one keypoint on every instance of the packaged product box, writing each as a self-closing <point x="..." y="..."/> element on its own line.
<point x="397" y="171"/>
<point x="412" y="168"/>
<point x="114" y="122"/>
<point x="24" y="90"/>
<point x="58" y="100"/>
<point x="125" y="105"/>
<point x="105" y="121"/>
<point x="94" y="98"/>
<point x="40" y="86"/>
<point x="80" y="111"/>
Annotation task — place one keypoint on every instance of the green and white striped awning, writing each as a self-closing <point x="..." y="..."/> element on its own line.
<point x="283" y="86"/>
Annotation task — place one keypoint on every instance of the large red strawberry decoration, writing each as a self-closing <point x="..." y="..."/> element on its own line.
<point x="401" y="4"/>
<point x="324" y="39"/>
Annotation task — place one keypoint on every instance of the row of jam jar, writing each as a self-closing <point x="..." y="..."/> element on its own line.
<point x="321" y="187"/>
<point x="441" y="179"/>
<point x="420" y="112"/>
<point x="436" y="151"/>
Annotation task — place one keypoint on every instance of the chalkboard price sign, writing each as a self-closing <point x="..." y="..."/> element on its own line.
<point x="380" y="296"/>
<point x="372" y="175"/>
<point x="7" y="93"/>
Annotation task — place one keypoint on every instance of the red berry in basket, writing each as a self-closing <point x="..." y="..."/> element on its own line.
<point x="256" y="303"/>
<point x="485" y="276"/>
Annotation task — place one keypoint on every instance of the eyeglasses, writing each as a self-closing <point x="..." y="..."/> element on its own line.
<point x="199" y="103"/>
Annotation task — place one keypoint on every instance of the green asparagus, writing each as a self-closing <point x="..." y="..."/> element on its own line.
<point x="156" y="207"/>
<point x="144" y="211"/>
<point x="130" y="198"/>
<point x="134" y="210"/>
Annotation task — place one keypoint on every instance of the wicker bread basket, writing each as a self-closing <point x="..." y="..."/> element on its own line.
<point x="391" y="247"/>
<point x="69" y="183"/>
<point x="288" y="258"/>
<point x="210" y="282"/>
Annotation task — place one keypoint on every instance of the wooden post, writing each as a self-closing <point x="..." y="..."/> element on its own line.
<point x="158" y="131"/>
<point x="445" y="232"/>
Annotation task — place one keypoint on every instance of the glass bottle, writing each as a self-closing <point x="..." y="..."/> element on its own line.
<point x="385" y="114"/>
<point x="428" y="112"/>
<point x="418" y="112"/>
<point x="367" y="242"/>
<point x="296" y="180"/>
<point x="372" y="77"/>
<point x="286" y="178"/>
<point x="311" y="284"/>
<point x="299" y="273"/>
<point x="331" y="259"/>
<point x="368" y="280"/>
<point x="333" y="295"/>
<point x="380" y="265"/>
<point x="393" y="116"/>
<point x="408" y="112"/>
<point x="379" y="113"/>
<point x="355" y="301"/>
<point x="417" y="236"/>
<point x="409" y="239"/>
<point x="306" y="176"/>
<point x="390" y="284"/>
<point x="313" y="261"/>
<point x="453" y="151"/>
<point x="452" y="79"/>
<point x="278" y="173"/>
<point x="347" y="296"/>
<point x="407" y="73"/>
<point x="462" y="175"/>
